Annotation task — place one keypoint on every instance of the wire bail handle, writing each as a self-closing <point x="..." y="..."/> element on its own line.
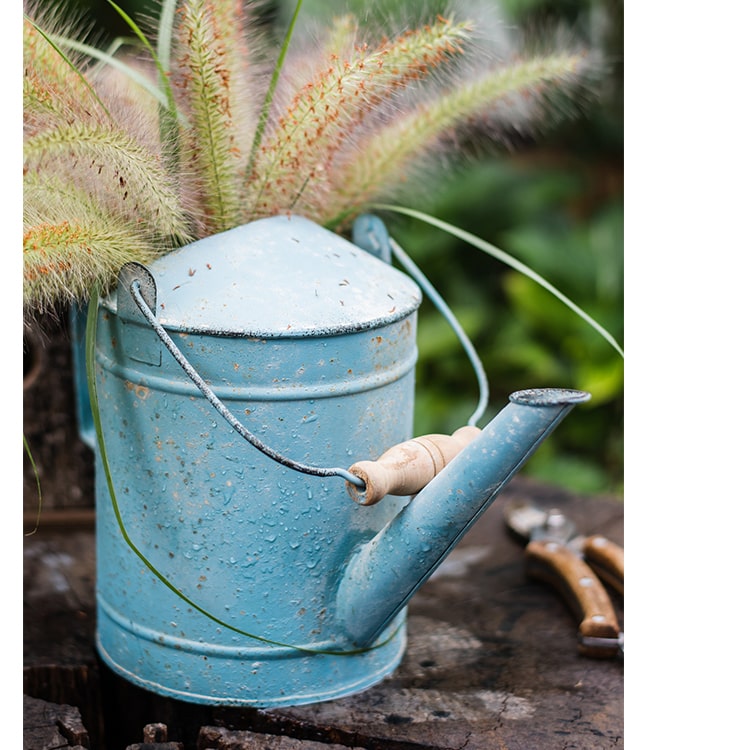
<point x="140" y="283"/>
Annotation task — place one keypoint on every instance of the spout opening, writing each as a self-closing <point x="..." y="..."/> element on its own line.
<point x="549" y="397"/>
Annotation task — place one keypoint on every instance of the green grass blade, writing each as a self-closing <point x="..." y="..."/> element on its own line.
<point x="116" y="44"/>
<point x="168" y="116"/>
<point x="164" y="38"/>
<point x="162" y="92"/>
<point x="98" y="54"/>
<point x="141" y="36"/>
<point x="509" y="260"/>
<point x="38" y="486"/>
<point x="54" y="43"/>
<point x="91" y="325"/>
<point x="265" y="110"/>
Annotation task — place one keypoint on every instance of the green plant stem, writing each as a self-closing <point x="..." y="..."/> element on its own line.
<point x="509" y="260"/>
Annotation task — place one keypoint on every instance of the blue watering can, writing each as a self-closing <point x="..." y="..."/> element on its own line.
<point x="250" y="387"/>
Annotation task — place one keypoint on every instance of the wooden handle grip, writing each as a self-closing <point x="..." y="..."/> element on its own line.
<point x="598" y="629"/>
<point x="607" y="559"/>
<point x="407" y="467"/>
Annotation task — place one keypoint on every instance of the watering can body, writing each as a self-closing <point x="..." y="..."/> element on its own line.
<point x="235" y="378"/>
<point x="310" y="342"/>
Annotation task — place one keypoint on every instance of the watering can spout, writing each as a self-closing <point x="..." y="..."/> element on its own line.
<point x="387" y="570"/>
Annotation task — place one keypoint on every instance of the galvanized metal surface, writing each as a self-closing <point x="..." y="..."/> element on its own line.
<point x="256" y="545"/>
<point x="224" y="577"/>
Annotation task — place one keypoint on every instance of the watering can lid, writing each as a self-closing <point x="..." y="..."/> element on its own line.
<point x="283" y="276"/>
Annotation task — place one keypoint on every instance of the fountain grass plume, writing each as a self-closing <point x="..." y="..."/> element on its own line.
<point x="211" y="73"/>
<point x="95" y="195"/>
<point x="218" y="137"/>
<point x="298" y="157"/>
<point x="53" y="87"/>
<point x="113" y="167"/>
<point x="378" y="164"/>
<point x="71" y="240"/>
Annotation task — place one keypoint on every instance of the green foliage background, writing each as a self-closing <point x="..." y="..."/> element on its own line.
<point x="556" y="204"/>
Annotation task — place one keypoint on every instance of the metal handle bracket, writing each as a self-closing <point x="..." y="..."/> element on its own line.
<point x="143" y="347"/>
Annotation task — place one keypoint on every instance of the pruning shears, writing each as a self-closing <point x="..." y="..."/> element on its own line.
<point x="575" y="565"/>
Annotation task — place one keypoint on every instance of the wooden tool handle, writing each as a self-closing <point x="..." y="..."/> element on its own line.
<point x="607" y="559"/>
<point x="407" y="467"/>
<point x="598" y="629"/>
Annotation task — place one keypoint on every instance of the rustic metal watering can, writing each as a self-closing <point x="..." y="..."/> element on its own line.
<point x="246" y="383"/>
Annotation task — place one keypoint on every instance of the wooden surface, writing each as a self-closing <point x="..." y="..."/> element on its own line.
<point x="49" y="726"/>
<point x="491" y="660"/>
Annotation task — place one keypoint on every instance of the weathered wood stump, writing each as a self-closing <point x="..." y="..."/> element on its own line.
<point x="50" y="726"/>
